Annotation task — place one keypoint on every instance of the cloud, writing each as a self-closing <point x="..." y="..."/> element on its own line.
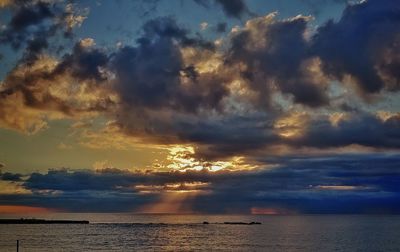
<point x="8" y="176"/>
<point x="254" y="135"/>
<point x="274" y="53"/>
<point x="234" y="98"/>
<point x="84" y="63"/>
<point x="73" y="17"/>
<point x="302" y="184"/>
<point x="228" y="136"/>
<point x="232" y="8"/>
<point x="34" y="23"/>
<point x="44" y="90"/>
<point x="27" y="16"/>
<point x="149" y="75"/>
<point x="26" y="29"/>
<point x="366" y="52"/>
<point x="64" y="180"/>
<point x="362" y="129"/>
<point x="156" y="81"/>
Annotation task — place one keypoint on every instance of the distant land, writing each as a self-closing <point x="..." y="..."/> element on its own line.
<point x="41" y="221"/>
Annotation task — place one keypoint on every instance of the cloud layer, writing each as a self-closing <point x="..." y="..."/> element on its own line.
<point x="299" y="184"/>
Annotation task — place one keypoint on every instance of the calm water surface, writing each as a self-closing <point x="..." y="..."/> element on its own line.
<point x="124" y="232"/>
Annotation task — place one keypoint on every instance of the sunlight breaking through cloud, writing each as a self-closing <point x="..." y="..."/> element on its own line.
<point x="183" y="158"/>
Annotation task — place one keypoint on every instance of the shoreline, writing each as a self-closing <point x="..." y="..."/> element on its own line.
<point x="41" y="221"/>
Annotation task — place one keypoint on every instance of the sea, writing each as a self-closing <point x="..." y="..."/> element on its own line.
<point x="162" y="232"/>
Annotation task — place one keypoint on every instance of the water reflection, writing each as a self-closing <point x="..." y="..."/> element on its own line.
<point x="187" y="233"/>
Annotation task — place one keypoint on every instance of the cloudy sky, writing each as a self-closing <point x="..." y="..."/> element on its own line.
<point x="200" y="106"/>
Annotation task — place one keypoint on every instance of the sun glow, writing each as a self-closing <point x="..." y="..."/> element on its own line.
<point x="183" y="158"/>
<point x="183" y="187"/>
<point x="177" y="197"/>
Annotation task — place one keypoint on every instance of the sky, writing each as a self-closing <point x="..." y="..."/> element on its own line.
<point x="200" y="106"/>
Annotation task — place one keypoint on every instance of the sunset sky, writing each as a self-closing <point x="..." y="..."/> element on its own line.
<point x="200" y="106"/>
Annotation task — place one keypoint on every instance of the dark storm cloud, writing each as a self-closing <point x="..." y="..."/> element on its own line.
<point x="26" y="28"/>
<point x="278" y="50"/>
<point x="34" y="23"/>
<point x="109" y="179"/>
<point x="167" y="28"/>
<point x="162" y="96"/>
<point x="363" y="129"/>
<point x="245" y="135"/>
<point x="8" y="176"/>
<point x="70" y="87"/>
<point x="79" y="180"/>
<point x="149" y="75"/>
<point x="35" y="46"/>
<point x="30" y="15"/>
<point x="232" y="8"/>
<point x="303" y="184"/>
<point x="83" y="63"/>
<point x="364" y="44"/>
<point x="228" y="136"/>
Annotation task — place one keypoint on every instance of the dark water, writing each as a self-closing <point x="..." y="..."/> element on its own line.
<point x="186" y="233"/>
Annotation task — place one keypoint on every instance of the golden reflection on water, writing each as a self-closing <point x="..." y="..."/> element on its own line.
<point x="155" y="232"/>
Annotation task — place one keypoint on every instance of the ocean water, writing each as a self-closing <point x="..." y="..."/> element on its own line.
<point x="128" y="232"/>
